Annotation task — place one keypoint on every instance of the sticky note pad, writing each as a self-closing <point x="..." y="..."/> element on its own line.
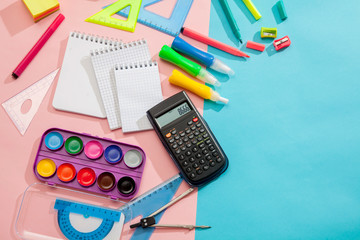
<point x="41" y="8"/>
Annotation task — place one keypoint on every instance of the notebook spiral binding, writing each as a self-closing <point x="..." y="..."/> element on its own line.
<point x="118" y="47"/>
<point x="98" y="39"/>
<point x="126" y="66"/>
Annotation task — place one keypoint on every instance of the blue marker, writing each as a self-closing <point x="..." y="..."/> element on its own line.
<point x="203" y="57"/>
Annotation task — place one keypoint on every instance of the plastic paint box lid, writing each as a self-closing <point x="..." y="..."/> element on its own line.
<point x="38" y="219"/>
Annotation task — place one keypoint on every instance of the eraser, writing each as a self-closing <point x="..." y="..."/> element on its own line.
<point x="256" y="46"/>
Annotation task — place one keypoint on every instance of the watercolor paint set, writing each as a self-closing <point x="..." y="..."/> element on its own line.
<point x="89" y="163"/>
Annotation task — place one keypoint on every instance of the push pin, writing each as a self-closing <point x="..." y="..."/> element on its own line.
<point x="268" y="32"/>
<point x="282" y="43"/>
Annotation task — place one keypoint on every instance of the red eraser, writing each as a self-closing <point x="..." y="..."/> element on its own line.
<point x="282" y="43"/>
<point x="256" y="46"/>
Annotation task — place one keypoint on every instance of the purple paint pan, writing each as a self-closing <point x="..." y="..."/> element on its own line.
<point x="97" y="170"/>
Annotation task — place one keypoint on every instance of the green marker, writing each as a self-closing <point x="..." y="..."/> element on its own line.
<point x="194" y="69"/>
<point x="231" y="19"/>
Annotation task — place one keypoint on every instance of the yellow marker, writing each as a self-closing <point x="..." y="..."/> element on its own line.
<point x="249" y="4"/>
<point x="46" y="167"/>
<point x="179" y="79"/>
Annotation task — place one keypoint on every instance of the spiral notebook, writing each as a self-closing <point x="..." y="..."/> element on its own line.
<point x="139" y="89"/>
<point x="104" y="61"/>
<point x="77" y="90"/>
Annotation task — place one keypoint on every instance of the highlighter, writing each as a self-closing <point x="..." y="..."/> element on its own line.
<point x="179" y="79"/>
<point x="205" y="58"/>
<point x="194" y="69"/>
<point x="250" y="5"/>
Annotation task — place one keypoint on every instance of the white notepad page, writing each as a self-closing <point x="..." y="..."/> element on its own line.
<point x="139" y="89"/>
<point x="77" y="90"/>
<point x="104" y="62"/>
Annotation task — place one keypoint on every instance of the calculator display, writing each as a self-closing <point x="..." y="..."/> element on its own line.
<point x="173" y="114"/>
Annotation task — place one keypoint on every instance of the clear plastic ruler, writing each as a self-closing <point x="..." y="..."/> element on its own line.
<point x="35" y="93"/>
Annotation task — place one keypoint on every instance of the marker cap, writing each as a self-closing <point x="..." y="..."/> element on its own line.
<point x="222" y="67"/>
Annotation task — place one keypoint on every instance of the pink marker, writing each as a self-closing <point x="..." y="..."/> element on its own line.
<point x="212" y="42"/>
<point x="38" y="45"/>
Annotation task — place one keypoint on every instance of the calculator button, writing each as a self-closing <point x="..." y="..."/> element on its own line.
<point x="190" y="123"/>
<point x="211" y="148"/>
<point x="188" y="169"/>
<point x="205" y="135"/>
<point x="187" y="153"/>
<point x="198" y="125"/>
<point x="198" y="155"/>
<point x="187" y="130"/>
<point x="192" y="175"/>
<point x="208" y="141"/>
<point x="199" y="171"/>
<point x="188" y="145"/>
<point x="202" y="130"/>
<point x="192" y="159"/>
<point x="206" y="167"/>
<point x="171" y="140"/>
<point x="205" y="151"/>
<point x="201" y="145"/>
<point x="183" y="148"/>
<point x="208" y="157"/>
<point x="191" y="136"/>
<point x="181" y="157"/>
<point x="194" y="141"/>
<point x="193" y="127"/>
<point x="180" y="142"/>
<point x="215" y="154"/>
<point x="173" y="131"/>
<point x="196" y="133"/>
<point x="186" y="139"/>
<point x="182" y="134"/>
<point x="202" y="161"/>
<point x="195" y="149"/>
<point x="177" y="137"/>
<point x="195" y="119"/>
<point x="168" y="135"/>
<point x="174" y="146"/>
<point x="185" y="163"/>
<point x="178" y="151"/>
<point x="219" y="159"/>
<point x="195" y="165"/>
<point x="212" y="163"/>
<point x="199" y="139"/>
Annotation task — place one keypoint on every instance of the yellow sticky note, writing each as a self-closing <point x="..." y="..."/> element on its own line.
<point x="41" y="8"/>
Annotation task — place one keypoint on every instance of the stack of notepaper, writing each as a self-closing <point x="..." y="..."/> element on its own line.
<point x="108" y="78"/>
<point x="41" y="8"/>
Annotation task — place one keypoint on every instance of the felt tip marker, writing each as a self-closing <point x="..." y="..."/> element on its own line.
<point x="205" y="58"/>
<point x="179" y="79"/>
<point x="38" y="45"/>
<point x="194" y="69"/>
<point x="212" y="42"/>
<point x="231" y="19"/>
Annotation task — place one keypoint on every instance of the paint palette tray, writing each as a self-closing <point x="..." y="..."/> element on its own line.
<point x="89" y="163"/>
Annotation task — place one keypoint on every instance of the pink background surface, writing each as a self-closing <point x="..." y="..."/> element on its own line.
<point x="18" y="35"/>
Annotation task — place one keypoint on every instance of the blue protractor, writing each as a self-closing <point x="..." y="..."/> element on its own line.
<point x="65" y="208"/>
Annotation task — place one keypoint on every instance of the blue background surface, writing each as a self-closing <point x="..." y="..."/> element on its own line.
<point x="291" y="130"/>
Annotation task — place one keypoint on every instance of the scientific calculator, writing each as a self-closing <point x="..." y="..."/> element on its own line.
<point x="188" y="139"/>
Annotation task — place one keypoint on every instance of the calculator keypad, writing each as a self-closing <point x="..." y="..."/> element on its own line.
<point x="195" y="151"/>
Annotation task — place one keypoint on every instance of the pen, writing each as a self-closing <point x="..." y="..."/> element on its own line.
<point x="38" y="45"/>
<point x="231" y="19"/>
<point x="212" y="42"/>
<point x="194" y="69"/>
<point x="205" y="58"/>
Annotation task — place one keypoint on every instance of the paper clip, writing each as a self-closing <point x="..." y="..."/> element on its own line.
<point x="268" y="32"/>
<point x="282" y="43"/>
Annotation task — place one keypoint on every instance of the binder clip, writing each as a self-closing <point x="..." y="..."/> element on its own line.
<point x="282" y="43"/>
<point x="268" y="32"/>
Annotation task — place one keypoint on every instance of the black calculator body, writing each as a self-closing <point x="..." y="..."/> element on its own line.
<point x="188" y="139"/>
